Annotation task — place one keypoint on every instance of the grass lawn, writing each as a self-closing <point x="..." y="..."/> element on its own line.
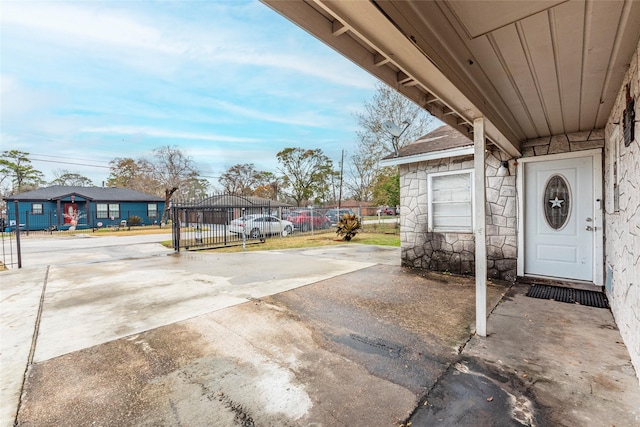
<point x="322" y="239"/>
<point x="385" y="234"/>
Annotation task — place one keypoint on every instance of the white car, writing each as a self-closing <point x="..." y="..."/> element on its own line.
<point x="257" y="225"/>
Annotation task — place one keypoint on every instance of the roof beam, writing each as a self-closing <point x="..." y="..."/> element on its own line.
<point x="339" y="28"/>
<point x="380" y="60"/>
<point x="373" y="29"/>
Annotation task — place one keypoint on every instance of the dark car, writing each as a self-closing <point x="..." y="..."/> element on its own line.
<point x="335" y="215"/>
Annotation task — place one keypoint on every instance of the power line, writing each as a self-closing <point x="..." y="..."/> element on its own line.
<point x="70" y="163"/>
<point x="63" y="157"/>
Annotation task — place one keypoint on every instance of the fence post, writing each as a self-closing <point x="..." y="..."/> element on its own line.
<point x="244" y="231"/>
<point x="18" y="247"/>
<point x="175" y="227"/>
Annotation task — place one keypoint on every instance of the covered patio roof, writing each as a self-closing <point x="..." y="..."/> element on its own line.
<point x="498" y="71"/>
<point x="532" y="69"/>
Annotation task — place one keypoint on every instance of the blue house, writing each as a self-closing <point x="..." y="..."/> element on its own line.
<point x="62" y="207"/>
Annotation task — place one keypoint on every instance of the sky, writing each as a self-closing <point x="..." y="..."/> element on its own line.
<point x="227" y="82"/>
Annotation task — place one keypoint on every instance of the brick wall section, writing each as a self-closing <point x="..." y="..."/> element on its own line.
<point x="455" y="252"/>
<point x="622" y="228"/>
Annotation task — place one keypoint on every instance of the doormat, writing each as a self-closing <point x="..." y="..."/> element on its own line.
<point x="572" y="296"/>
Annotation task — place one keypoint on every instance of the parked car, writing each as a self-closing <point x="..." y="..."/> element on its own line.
<point x="335" y="215"/>
<point x="385" y="210"/>
<point x="257" y="225"/>
<point x="303" y="220"/>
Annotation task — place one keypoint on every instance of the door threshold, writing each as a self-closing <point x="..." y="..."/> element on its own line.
<point x="556" y="281"/>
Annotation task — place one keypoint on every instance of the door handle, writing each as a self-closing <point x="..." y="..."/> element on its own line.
<point x="588" y="228"/>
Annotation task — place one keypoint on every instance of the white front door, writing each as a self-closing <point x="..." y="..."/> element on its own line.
<point x="559" y="218"/>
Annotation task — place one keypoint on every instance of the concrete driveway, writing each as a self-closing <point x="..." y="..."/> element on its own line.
<point x="332" y="336"/>
<point x="79" y="292"/>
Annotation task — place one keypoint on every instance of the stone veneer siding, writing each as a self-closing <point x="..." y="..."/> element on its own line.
<point x="622" y="227"/>
<point x="455" y="252"/>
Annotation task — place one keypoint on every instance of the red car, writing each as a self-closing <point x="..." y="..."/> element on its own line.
<point x="386" y="211"/>
<point x="303" y="220"/>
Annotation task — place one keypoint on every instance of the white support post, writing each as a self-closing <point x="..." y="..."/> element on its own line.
<point x="479" y="201"/>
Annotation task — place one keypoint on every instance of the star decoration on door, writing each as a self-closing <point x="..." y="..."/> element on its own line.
<point x="556" y="203"/>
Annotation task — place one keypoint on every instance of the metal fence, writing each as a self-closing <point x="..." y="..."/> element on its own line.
<point x="227" y="220"/>
<point x="222" y="221"/>
<point x="10" y="256"/>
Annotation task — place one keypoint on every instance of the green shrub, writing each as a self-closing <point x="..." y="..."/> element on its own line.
<point x="134" y="220"/>
<point x="348" y="226"/>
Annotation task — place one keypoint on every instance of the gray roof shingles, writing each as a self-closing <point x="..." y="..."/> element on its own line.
<point x="443" y="138"/>
<point x="100" y="194"/>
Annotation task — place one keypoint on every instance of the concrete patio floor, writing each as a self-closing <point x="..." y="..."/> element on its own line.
<point x="316" y="337"/>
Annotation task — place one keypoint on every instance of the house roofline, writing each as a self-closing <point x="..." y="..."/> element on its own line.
<point x="435" y="155"/>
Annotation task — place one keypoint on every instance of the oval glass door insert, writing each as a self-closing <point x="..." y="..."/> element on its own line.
<point x="557" y="199"/>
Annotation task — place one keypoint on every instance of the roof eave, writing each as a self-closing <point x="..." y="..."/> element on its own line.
<point x="434" y="155"/>
<point x="363" y="24"/>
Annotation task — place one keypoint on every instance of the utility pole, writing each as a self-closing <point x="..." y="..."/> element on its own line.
<point x="341" y="170"/>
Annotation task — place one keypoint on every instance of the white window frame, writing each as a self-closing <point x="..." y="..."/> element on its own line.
<point x="113" y="209"/>
<point x="102" y="213"/>
<point x="430" y="177"/>
<point x="37" y="208"/>
<point x="152" y="213"/>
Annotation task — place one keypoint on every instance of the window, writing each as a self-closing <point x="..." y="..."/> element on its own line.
<point x="450" y="196"/>
<point x="114" y="210"/>
<point x="37" y="209"/>
<point x="152" y="210"/>
<point x="102" y="210"/>
<point x="110" y="210"/>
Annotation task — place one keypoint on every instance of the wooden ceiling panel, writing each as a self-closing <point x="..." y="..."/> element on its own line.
<point x="487" y="61"/>
<point x="567" y="26"/>
<point x="601" y="28"/>
<point x="626" y="43"/>
<point x="539" y="49"/>
<point x="478" y="19"/>
<point x="510" y="52"/>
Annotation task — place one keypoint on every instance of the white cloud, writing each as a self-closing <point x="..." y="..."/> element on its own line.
<point x="163" y="133"/>
<point x="148" y="35"/>
<point x="85" y="24"/>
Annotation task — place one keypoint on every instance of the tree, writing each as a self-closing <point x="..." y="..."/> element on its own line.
<point x="64" y="177"/>
<point x="172" y="170"/>
<point x="240" y="180"/>
<point x="386" y="190"/>
<point x="268" y="185"/>
<point x="374" y="141"/>
<point x="134" y="174"/>
<point x="15" y="167"/>
<point x="304" y="173"/>
<point x="389" y="105"/>
<point x="361" y="175"/>
<point x="195" y="188"/>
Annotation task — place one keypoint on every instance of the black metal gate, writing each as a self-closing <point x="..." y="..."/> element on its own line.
<point x="10" y="251"/>
<point x="219" y="221"/>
